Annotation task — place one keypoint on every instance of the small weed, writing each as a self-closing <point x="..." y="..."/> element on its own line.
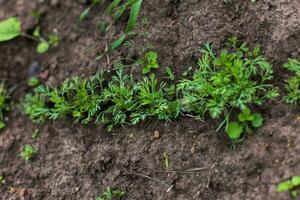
<point x="290" y="185"/>
<point x="44" y="44"/>
<point x="28" y="152"/>
<point x="293" y="84"/>
<point x="150" y="62"/>
<point x="86" y="12"/>
<point x="35" y="134"/>
<point x="33" y="82"/>
<point x="109" y="194"/>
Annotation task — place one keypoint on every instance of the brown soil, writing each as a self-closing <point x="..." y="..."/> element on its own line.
<point x="76" y="162"/>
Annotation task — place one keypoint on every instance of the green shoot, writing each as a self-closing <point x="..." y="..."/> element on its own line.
<point x="3" y="104"/>
<point x="86" y="12"/>
<point x="2" y="180"/>
<point x="108" y="194"/>
<point x="28" y="152"/>
<point x="35" y="134"/>
<point x="150" y="62"/>
<point x="33" y="82"/>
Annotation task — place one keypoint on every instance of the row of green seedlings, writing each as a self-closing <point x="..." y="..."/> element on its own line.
<point x="225" y="86"/>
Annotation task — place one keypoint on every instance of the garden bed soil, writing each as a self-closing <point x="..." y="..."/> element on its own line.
<point x="78" y="163"/>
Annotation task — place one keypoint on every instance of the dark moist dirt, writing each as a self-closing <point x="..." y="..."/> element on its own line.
<point x="76" y="162"/>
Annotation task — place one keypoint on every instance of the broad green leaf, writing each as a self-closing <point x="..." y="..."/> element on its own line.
<point x="234" y="130"/>
<point x="284" y="186"/>
<point x="42" y="47"/>
<point x="134" y="13"/>
<point x="10" y="29"/>
<point x="257" y="120"/>
<point x="296" y="181"/>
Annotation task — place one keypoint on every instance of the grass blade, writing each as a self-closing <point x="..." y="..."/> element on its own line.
<point x="117" y="43"/>
<point x="134" y="13"/>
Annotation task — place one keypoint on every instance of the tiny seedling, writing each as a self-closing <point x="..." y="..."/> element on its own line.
<point x="150" y="62"/>
<point x="246" y="120"/>
<point x="290" y="185"/>
<point x="109" y="194"/>
<point x="293" y="83"/>
<point x="35" y="134"/>
<point x="86" y="12"/>
<point x="33" y="82"/>
<point x="2" y="180"/>
<point x="170" y="73"/>
<point x="44" y="44"/>
<point x="11" y="28"/>
<point x="166" y="160"/>
<point x="28" y="152"/>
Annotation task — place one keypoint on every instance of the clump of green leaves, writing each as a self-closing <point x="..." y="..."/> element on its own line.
<point x="150" y="62"/>
<point x="235" y="79"/>
<point x="109" y="194"/>
<point x="119" y="101"/>
<point x="11" y="28"/>
<point x="76" y="97"/>
<point x="290" y="185"/>
<point x="293" y="83"/>
<point x="3" y="104"/>
<point x="28" y="152"/>
<point x="245" y="122"/>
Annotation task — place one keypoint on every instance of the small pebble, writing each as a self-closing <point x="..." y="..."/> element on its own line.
<point x="156" y="135"/>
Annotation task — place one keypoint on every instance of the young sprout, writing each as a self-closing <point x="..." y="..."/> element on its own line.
<point x="28" y="152"/>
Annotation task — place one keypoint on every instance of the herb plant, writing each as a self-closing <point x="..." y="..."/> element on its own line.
<point x="234" y="79"/>
<point x="290" y="185"/>
<point x="246" y="120"/>
<point x="293" y="84"/>
<point x="150" y="62"/>
<point x="28" y="152"/>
